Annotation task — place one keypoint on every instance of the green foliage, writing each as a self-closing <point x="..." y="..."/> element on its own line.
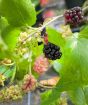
<point x="45" y="95"/>
<point x="38" y="50"/>
<point x="13" y="74"/>
<point x="2" y="54"/>
<point x="57" y="66"/>
<point x="22" y="68"/>
<point x="3" y="23"/>
<point x="2" y="69"/>
<point x="78" y="96"/>
<point x="10" y="36"/>
<point x="3" y="49"/>
<point x="7" y="71"/>
<point x="84" y="33"/>
<point x="18" y="12"/>
<point x="74" y="63"/>
<point x="74" y="69"/>
<point x="86" y="94"/>
<point x="55" y="37"/>
<point x="36" y="2"/>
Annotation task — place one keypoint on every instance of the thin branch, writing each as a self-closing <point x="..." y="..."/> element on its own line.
<point x="85" y="9"/>
<point x="53" y="19"/>
<point x="41" y="28"/>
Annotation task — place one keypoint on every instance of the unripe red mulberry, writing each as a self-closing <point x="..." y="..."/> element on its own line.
<point x="41" y="65"/>
<point x="74" y="16"/>
<point x="44" y="2"/>
<point x="29" y="83"/>
<point x="49" y="14"/>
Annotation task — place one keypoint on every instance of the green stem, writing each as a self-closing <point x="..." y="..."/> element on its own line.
<point x="13" y="76"/>
<point x="30" y="68"/>
<point x="8" y="64"/>
<point x="29" y="60"/>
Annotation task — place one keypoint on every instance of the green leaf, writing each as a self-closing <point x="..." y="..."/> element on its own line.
<point x="77" y="96"/>
<point x="45" y="95"/>
<point x="22" y="68"/>
<point x="10" y="37"/>
<point x="2" y="69"/>
<point x="38" y="50"/>
<point x="57" y="66"/>
<point x="55" y="37"/>
<point x="74" y="70"/>
<point x="86" y="94"/>
<point x="8" y="73"/>
<point x="14" y="73"/>
<point x="2" y="54"/>
<point x="84" y="33"/>
<point x="75" y="61"/>
<point x="3" y="48"/>
<point x="18" y="12"/>
<point x="36" y="2"/>
<point x="3" y="23"/>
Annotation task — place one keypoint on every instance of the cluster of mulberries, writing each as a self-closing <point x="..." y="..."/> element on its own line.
<point x="74" y="16"/>
<point x="52" y="51"/>
<point x="12" y="93"/>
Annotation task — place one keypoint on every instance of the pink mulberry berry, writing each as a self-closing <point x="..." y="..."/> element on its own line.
<point x="29" y="83"/>
<point x="44" y="2"/>
<point x="41" y="65"/>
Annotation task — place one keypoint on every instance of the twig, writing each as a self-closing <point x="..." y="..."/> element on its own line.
<point x="53" y="19"/>
<point x="85" y="9"/>
<point x="41" y="28"/>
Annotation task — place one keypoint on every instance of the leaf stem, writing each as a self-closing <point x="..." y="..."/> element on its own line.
<point x="29" y="60"/>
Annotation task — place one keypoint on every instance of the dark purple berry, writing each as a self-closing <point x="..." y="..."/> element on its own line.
<point x="52" y="51"/>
